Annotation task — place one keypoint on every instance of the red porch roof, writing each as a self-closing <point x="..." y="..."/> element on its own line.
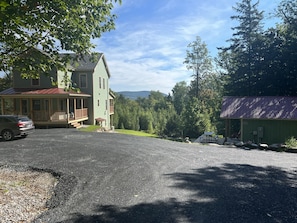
<point x="45" y="91"/>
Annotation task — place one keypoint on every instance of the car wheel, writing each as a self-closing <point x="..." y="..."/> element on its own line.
<point x="7" y="135"/>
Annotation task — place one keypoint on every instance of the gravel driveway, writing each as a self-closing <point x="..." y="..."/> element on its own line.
<point x="109" y="177"/>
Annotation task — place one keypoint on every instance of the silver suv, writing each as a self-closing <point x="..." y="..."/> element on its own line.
<point x="14" y="125"/>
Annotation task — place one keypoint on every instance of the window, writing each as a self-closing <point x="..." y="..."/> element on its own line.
<point x="24" y="107"/>
<point x="103" y="83"/>
<point x="106" y="105"/>
<point x="100" y="82"/>
<point x="36" y="105"/>
<point x="35" y="82"/>
<point x="98" y="102"/>
<point x="83" y="81"/>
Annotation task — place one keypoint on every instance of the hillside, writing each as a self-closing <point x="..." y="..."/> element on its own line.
<point x="133" y="95"/>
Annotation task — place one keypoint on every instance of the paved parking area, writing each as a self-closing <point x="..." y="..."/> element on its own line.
<point x="109" y="177"/>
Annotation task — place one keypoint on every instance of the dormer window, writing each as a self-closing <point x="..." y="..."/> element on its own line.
<point x="35" y="82"/>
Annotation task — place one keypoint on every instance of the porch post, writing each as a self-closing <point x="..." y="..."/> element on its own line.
<point x="226" y="128"/>
<point x="74" y="105"/>
<point x="2" y="106"/>
<point x="241" y="129"/>
<point x="50" y="108"/>
<point x="82" y="106"/>
<point x="31" y="109"/>
<point x="68" y="113"/>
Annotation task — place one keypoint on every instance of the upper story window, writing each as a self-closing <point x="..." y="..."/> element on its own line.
<point x="83" y="80"/>
<point x="103" y="83"/>
<point x="100" y="82"/>
<point x="35" y="82"/>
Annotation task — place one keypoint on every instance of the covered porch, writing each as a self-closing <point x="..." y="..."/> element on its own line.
<point x="61" y="108"/>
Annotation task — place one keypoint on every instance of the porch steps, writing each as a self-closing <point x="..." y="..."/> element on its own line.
<point x="76" y="125"/>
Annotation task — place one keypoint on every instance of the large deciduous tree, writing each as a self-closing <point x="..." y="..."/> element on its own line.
<point x="198" y="60"/>
<point x="51" y="27"/>
<point x="180" y="96"/>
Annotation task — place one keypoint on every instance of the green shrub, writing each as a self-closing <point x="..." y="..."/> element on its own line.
<point x="291" y="142"/>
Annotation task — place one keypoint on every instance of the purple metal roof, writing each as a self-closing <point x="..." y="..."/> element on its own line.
<point x="259" y="108"/>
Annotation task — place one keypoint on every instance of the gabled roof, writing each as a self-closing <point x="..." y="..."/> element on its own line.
<point x="40" y="92"/>
<point x="87" y="63"/>
<point x="283" y="108"/>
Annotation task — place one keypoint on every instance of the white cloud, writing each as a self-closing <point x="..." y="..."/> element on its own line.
<point x="147" y="50"/>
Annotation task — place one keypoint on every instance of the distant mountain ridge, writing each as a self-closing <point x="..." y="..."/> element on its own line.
<point x="133" y="95"/>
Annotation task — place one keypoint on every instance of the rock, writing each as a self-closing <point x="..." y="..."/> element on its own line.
<point x="263" y="146"/>
<point x="221" y="141"/>
<point x="254" y="146"/>
<point x="239" y="144"/>
<point x="246" y="148"/>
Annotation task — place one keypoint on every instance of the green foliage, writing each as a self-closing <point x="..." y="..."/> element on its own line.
<point x="180" y="96"/>
<point x="144" y="114"/>
<point x="199" y="61"/>
<point x="6" y="81"/>
<point x="291" y="142"/>
<point x="257" y="61"/>
<point x="241" y="58"/>
<point x="50" y="26"/>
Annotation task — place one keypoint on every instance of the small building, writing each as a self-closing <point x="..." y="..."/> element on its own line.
<point x="80" y="95"/>
<point x="264" y="119"/>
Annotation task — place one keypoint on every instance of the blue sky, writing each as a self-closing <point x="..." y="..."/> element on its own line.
<point x="148" y="47"/>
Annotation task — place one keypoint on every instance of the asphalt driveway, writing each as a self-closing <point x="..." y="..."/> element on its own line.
<point x="109" y="177"/>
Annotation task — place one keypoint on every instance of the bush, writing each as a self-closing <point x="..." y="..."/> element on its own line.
<point x="291" y="142"/>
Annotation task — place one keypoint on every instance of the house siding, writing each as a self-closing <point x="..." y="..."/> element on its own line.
<point x="45" y="81"/>
<point x="274" y="131"/>
<point x="101" y="94"/>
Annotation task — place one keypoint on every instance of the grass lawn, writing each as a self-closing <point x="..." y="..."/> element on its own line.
<point x="90" y="128"/>
<point x="136" y="133"/>
<point x="94" y="128"/>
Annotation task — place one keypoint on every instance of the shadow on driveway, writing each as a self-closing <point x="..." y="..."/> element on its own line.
<point x="228" y="193"/>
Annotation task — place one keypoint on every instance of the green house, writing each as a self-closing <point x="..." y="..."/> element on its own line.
<point x="262" y="119"/>
<point x="80" y="95"/>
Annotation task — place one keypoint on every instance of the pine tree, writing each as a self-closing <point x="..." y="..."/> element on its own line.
<point x="242" y="55"/>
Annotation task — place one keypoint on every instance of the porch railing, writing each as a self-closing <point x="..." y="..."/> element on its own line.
<point x="59" y="115"/>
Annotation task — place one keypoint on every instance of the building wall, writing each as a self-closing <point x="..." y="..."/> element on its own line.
<point x="101" y="94"/>
<point x="88" y="89"/>
<point x="45" y="81"/>
<point x="99" y="101"/>
<point x="274" y="131"/>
